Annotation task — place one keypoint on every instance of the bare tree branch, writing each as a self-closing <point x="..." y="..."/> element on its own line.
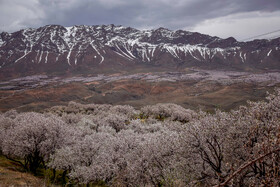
<point x="245" y="166"/>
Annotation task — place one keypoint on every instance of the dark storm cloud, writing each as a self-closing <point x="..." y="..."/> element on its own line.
<point x="167" y="13"/>
<point x="17" y="14"/>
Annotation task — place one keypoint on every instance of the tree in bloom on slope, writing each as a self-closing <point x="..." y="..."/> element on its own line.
<point x="33" y="137"/>
<point x="237" y="148"/>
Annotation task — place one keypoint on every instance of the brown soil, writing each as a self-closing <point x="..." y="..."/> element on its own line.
<point x="12" y="175"/>
<point x="205" y="95"/>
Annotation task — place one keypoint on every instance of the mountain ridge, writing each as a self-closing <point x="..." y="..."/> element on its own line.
<point x="54" y="48"/>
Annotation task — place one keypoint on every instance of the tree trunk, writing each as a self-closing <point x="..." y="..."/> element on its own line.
<point x="64" y="176"/>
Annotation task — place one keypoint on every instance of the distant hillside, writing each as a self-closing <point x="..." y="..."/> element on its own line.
<point x="109" y="48"/>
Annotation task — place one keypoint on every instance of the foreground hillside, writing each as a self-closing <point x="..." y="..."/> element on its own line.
<point x="12" y="174"/>
<point x="158" y="145"/>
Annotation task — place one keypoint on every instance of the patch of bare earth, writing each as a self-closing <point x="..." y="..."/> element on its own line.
<point x="11" y="175"/>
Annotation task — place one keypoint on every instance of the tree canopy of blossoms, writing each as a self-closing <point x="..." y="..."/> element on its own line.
<point x="158" y="145"/>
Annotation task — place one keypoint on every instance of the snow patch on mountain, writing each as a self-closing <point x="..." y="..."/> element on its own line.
<point x="71" y="44"/>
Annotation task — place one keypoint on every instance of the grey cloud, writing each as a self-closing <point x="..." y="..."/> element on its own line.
<point x="135" y="13"/>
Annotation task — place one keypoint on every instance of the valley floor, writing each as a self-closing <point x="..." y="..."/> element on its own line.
<point x="195" y="89"/>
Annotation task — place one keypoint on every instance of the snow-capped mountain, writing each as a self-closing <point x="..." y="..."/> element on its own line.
<point x="57" y="48"/>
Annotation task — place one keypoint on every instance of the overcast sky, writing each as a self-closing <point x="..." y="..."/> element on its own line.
<point x="224" y="18"/>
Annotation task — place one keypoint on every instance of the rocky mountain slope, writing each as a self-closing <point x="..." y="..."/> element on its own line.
<point x="110" y="48"/>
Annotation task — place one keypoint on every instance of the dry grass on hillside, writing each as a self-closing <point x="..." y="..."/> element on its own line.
<point x="11" y="174"/>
